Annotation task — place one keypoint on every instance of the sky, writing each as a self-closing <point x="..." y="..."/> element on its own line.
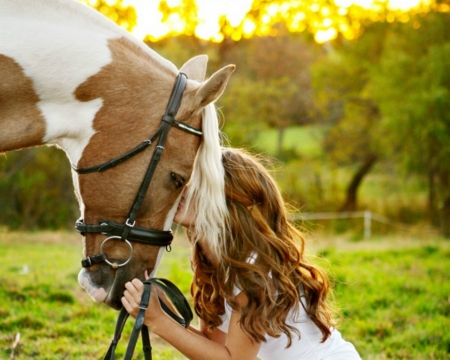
<point x="149" y="20"/>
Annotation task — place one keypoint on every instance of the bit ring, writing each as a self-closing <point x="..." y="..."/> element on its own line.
<point x="116" y="265"/>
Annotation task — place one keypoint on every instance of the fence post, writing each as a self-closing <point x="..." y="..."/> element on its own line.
<point x="367" y="224"/>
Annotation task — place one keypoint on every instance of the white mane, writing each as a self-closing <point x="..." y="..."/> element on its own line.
<point x="206" y="191"/>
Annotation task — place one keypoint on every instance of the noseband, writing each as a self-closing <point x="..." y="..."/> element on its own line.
<point x="127" y="231"/>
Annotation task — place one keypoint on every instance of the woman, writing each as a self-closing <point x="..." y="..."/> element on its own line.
<point x="254" y="291"/>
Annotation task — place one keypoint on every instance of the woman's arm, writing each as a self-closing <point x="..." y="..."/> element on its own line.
<point x="216" y="335"/>
<point x="193" y="345"/>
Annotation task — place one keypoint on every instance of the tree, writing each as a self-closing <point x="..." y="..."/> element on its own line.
<point x="412" y="89"/>
<point x="271" y="90"/>
<point x="387" y="95"/>
<point x="340" y="81"/>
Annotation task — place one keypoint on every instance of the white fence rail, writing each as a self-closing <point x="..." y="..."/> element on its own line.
<point x="367" y="215"/>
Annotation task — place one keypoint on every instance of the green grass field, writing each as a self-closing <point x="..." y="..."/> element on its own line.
<point x="394" y="293"/>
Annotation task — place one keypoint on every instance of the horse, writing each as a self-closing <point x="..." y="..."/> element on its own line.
<point x="71" y="78"/>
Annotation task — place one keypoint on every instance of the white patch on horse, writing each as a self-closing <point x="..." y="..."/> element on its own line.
<point x="167" y="225"/>
<point x="57" y="68"/>
<point x="161" y="251"/>
<point x="60" y="44"/>
<point x="97" y="294"/>
<point x="171" y="214"/>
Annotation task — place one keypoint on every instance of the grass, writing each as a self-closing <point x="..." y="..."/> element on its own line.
<point x="300" y="139"/>
<point x="55" y="317"/>
<point x="394" y="294"/>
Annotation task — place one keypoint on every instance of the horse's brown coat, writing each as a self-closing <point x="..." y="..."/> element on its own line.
<point x="19" y="111"/>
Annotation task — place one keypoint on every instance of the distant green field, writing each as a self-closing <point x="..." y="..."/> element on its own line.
<point x="394" y="295"/>
<point x="304" y="140"/>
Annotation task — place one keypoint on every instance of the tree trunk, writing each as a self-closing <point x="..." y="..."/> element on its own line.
<point x="445" y="218"/>
<point x="281" y="132"/>
<point x="225" y="48"/>
<point x="350" y="203"/>
<point x="433" y="208"/>
<point x="445" y="209"/>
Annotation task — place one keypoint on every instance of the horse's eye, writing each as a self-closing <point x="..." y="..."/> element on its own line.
<point x="178" y="180"/>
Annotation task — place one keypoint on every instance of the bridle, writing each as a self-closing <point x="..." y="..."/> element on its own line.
<point x="127" y="231"/>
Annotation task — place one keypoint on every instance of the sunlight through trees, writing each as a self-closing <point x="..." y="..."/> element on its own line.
<point x="238" y="19"/>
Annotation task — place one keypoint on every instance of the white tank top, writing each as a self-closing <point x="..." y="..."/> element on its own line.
<point x="308" y="347"/>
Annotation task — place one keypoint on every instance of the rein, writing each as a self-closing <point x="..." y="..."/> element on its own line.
<point x="127" y="231"/>
<point x="179" y="302"/>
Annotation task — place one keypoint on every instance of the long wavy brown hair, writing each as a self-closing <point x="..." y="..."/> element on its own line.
<point x="263" y="255"/>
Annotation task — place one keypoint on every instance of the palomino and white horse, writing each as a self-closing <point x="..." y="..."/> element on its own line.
<point x="70" y="77"/>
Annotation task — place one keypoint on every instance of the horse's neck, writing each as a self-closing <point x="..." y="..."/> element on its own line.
<point x="47" y="50"/>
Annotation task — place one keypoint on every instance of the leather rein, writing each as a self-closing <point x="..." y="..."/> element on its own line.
<point x="127" y="231"/>
<point x="179" y="302"/>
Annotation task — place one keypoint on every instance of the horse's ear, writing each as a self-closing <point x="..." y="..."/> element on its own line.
<point x="195" y="68"/>
<point x="211" y="89"/>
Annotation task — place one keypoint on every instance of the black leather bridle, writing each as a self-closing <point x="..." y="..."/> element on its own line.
<point x="127" y="231"/>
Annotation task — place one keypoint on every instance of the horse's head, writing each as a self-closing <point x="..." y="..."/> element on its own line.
<point x="134" y="99"/>
<point x="72" y="78"/>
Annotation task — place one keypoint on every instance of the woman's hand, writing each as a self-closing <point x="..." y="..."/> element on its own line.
<point x="192" y="343"/>
<point x="132" y="298"/>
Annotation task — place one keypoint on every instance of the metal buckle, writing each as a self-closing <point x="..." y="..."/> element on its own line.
<point x="127" y="223"/>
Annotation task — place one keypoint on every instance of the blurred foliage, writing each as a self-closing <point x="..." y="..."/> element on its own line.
<point x="36" y="189"/>
<point x="412" y="87"/>
<point x="325" y="19"/>
<point x="271" y="90"/>
<point x="388" y="94"/>
<point x="123" y="15"/>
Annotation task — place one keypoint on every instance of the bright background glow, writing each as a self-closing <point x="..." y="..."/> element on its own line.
<point x="149" y="18"/>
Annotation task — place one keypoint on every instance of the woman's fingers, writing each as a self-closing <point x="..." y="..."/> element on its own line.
<point x="128" y="307"/>
<point x="132" y="296"/>
<point x="131" y="301"/>
<point x="135" y="287"/>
